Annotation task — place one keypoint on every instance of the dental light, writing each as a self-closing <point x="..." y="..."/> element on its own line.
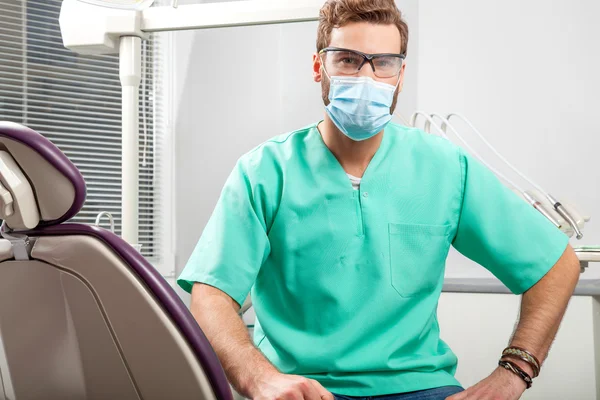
<point x="123" y="4"/>
<point x="119" y="26"/>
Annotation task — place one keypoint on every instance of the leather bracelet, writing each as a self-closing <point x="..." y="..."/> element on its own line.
<point x="525" y="356"/>
<point x="536" y="372"/>
<point x="514" y="368"/>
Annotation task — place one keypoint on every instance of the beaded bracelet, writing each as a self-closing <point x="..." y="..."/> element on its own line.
<point x="524" y="355"/>
<point x="509" y="365"/>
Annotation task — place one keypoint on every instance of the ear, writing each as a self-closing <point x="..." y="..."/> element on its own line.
<point x="317" y="70"/>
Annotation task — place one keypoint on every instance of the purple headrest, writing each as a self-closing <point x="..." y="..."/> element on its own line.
<point x="58" y="185"/>
<point x="41" y="160"/>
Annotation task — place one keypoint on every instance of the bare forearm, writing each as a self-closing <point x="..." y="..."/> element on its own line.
<point x="543" y="307"/>
<point x="216" y="314"/>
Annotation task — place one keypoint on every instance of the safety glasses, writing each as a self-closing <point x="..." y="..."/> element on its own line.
<point x="339" y="61"/>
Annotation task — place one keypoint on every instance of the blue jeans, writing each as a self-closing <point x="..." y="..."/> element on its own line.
<point x="430" y="394"/>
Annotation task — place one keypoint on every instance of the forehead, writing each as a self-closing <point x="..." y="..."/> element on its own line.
<point x="367" y="37"/>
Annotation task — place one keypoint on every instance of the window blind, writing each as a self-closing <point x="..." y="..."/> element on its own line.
<point x="75" y="101"/>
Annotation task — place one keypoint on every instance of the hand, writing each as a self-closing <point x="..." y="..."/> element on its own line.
<point x="500" y="385"/>
<point x="277" y="386"/>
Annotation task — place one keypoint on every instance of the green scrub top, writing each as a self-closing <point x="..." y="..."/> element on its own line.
<point x="345" y="283"/>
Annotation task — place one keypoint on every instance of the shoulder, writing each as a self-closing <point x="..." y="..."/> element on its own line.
<point x="427" y="144"/>
<point x="276" y="152"/>
<point x="262" y="170"/>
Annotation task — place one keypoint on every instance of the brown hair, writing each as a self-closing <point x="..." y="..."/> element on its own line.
<point x="337" y="13"/>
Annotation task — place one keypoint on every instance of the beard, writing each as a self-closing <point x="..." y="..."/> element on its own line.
<point x="325" y="85"/>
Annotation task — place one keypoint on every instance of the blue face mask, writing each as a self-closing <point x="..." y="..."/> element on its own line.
<point x="359" y="106"/>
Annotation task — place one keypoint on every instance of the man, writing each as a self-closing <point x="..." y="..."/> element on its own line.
<point x="341" y="231"/>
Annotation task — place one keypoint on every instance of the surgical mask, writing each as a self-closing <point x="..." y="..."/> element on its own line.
<point x="360" y="106"/>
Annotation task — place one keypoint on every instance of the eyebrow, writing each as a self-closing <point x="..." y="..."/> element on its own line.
<point x="360" y="52"/>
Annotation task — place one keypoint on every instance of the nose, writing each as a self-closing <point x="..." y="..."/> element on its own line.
<point x="367" y="70"/>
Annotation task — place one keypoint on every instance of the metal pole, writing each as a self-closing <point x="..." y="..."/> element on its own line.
<point x="130" y="52"/>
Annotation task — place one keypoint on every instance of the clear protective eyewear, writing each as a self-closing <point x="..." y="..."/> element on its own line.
<point x="339" y="61"/>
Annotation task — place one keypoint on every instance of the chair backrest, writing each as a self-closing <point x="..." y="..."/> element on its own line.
<point x="82" y="314"/>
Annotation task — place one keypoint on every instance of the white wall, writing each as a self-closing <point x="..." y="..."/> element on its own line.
<point x="526" y="74"/>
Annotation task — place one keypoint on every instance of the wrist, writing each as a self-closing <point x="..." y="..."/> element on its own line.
<point x="522" y="357"/>
<point x="256" y="381"/>
<point x="511" y="379"/>
<point x="522" y="364"/>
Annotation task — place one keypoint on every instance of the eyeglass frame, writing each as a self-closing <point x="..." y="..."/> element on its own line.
<point x="366" y="57"/>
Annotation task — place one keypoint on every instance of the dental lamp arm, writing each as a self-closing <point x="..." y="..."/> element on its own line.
<point x="542" y="309"/>
<point x="249" y="372"/>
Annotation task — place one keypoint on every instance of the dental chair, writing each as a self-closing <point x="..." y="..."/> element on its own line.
<point x="82" y="314"/>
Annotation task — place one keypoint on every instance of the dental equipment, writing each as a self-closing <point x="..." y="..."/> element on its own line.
<point x="429" y="121"/>
<point x="531" y="200"/>
<point x="560" y="208"/>
<point x="119" y="26"/>
<point x="585" y="254"/>
<point x="427" y="128"/>
<point x="111" y="220"/>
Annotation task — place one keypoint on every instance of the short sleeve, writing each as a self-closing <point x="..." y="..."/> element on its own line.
<point x="234" y="243"/>
<point x="503" y="233"/>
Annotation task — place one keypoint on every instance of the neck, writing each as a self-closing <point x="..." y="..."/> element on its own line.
<point x="353" y="156"/>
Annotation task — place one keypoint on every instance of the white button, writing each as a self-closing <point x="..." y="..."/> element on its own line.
<point x="366" y="194"/>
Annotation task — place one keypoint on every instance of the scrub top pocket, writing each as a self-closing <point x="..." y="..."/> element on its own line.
<point x="417" y="257"/>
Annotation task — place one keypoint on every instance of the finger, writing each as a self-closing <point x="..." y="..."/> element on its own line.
<point x="293" y="395"/>
<point x="324" y="394"/>
<point x="309" y="392"/>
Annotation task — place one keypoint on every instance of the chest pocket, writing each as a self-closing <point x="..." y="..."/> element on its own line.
<point x="417" y="257"/>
